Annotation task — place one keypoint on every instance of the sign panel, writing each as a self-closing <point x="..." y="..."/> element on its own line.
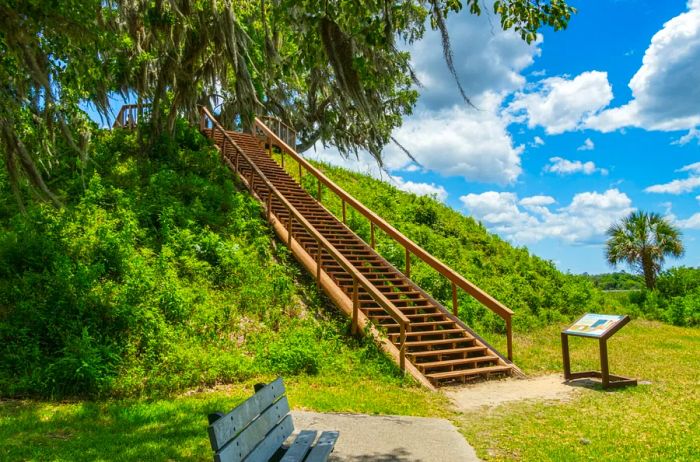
<point x="594" y="325"/>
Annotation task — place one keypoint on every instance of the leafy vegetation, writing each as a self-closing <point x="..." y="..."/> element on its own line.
<point x="157" y="275"/>
<point x="333" y="70"/>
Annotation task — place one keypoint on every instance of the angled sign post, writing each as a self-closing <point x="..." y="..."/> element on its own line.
<point x="601" y="327"/>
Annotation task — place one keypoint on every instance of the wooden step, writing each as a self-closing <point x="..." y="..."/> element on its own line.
<point x="444" y="341"/>
<point x="468" y="372"/>
<point x="456" y="362"/>
<point x="449" y="351"/>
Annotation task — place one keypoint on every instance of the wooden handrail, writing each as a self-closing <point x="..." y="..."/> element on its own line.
<point x="289" y="136"/>
<point x="358" y="277"/>
<point x="130" y="114"/>
<point x="411" y="247"/>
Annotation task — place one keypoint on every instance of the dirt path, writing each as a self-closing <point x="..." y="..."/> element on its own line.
<point x="495" y="393"/>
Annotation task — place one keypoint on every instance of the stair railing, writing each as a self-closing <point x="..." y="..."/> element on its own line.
<point x="234" y="155"/>
<point x="130" y="115"/>
<point x="411" y="248"/>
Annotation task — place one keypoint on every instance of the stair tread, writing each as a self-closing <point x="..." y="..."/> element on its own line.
<point x="449" y="351"/>
<point x="467" y="372"/>
<point x="456" y="362"/>
<point x="438" y="341"/>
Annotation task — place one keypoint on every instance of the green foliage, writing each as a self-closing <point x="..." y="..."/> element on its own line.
<point x="675" y="300"/>
<point x="333" y="70"/>
<point x="157" y="275"/>
<point x="537" y="292"/>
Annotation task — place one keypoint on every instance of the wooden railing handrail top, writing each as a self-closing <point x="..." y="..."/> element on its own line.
<point x="459" y="280"/>
<point x="397" y="315"/>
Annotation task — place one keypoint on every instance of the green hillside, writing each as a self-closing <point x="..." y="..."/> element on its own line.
<point x="157" y="275"/>
<point x="160" y="274"/>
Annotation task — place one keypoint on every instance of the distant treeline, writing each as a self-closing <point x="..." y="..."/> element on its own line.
<point x="617" y="281"/>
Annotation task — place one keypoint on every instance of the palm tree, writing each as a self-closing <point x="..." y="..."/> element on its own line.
<point x="643" y="240"/>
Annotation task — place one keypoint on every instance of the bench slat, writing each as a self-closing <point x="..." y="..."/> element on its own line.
<point x="247" y="440"/>
<point x="227" y="427"/>
<point x="272" y="442"/>
<point x="297" y="450"/>
<point x="323" y="447"/>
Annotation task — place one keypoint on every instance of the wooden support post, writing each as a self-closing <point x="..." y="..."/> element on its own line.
<point x="289" y="231"/>
<point x="402" y="347"/>
<point x="565" y="356"/>
<point x="343" y="202"/>
<point x="282" y="157"/>
<point x="355" y="306"/>
<point x="455" y="307"/>
<point x="604" y="369"/>
<point x="300" y="172"/>
<point x="371" y="234"/>
<point x="509" y="337"/>
<point x="318" y="265"/>
<point x="408" y="263"/>
<point x="319" y="190"/>
<point x="269" y="204"/>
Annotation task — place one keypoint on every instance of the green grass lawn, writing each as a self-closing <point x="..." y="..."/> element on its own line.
<point x="656" y="421"/>
<point x="175" y="428"/>
<point x="659" y="420"/>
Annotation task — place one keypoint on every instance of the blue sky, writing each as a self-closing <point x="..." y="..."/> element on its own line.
<point x="572" y="133"/>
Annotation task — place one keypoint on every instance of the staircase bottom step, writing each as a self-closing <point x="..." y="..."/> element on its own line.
<point x="468" y="372"/>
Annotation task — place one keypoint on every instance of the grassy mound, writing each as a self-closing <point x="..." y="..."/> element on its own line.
<point x="157" y="275"/>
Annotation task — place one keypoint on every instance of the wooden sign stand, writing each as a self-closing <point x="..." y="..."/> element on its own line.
<point x="608" y="380"/>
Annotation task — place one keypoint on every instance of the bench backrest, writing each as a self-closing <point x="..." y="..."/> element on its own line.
<point x="255" y="429"/>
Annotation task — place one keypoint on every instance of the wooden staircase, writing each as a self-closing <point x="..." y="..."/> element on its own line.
<point x="380" y="299"/>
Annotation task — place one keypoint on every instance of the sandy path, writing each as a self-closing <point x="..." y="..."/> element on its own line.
<point x="494" y="393"/>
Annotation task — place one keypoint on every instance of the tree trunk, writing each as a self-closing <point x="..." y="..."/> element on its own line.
<point x="648" y="269"/>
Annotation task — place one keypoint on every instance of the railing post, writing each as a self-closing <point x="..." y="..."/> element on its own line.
<point x="402" y="346"/>
<point x="300" y="172"/>
<point x="281" y="154"/>
<point x="371" y="234"/>
<point x="343" y="202"/>
<point x="318" y="264"/>
<point x="289" y="231"/>
<point x="455" y="308"/>
<point x="355" y="306"/>
<point x="319" y="190"/>
<point x="269" y="204"/>
<point x="509" y="336"/>
<point x="408" y="263"/>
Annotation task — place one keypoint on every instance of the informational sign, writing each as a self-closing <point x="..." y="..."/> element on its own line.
<point x="594" y="325"/>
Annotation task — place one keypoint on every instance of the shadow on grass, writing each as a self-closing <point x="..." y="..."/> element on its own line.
<point x="119" y="430"/>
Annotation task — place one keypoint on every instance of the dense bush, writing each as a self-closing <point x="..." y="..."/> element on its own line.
<point x="158" y="274"/>
<point x="537" y="292"/>
<point x="676" y="299"/>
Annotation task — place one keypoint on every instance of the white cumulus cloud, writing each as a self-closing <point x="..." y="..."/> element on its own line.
<point x="679" y="186"/>
<point x="665" y="90"/>
<point x="421" y="189"/>
<point x="560" y="104"/>
<point x="584" y="220"/>
<point x="563" y="166"/>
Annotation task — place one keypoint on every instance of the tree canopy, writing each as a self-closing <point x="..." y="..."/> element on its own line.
<point x="643" y="240"/>
<point x="331" y="69"/>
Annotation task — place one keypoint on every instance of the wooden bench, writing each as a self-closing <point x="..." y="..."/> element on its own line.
<point x="255" y="431"/>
